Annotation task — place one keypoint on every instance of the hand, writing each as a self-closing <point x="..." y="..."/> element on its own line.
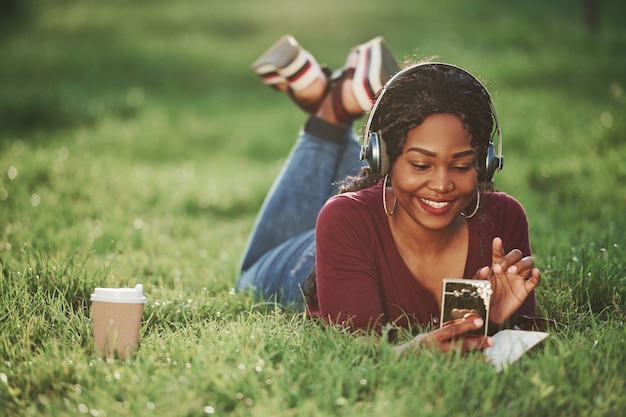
<point x="512" y="278"/>
<point x="451" y="337"/>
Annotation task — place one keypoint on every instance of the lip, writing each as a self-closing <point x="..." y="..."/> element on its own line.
<point x="435" y="206"/>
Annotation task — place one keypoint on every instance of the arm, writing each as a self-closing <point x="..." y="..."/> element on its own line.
<point x="519" y="238"/>
<point x="347" y="286"/>
<point x="511" y="271"/>
<point x="448" y="338"/>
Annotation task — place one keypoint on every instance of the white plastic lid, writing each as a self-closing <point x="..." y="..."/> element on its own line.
<point x="120" y="295"/>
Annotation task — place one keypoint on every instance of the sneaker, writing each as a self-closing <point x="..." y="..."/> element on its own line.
<point x="375" y="66"/>
<point x="368" y="67"/>
<point x="287" y="62"/>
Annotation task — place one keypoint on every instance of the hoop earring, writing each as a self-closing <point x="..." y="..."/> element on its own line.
<point x="475" y="209"/>
<point x="395" y="199"/>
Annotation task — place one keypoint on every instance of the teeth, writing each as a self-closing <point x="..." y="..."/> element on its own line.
<point x="435" y="204"/>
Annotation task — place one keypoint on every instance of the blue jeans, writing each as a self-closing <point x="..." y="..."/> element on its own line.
<point x="280" y="253"/>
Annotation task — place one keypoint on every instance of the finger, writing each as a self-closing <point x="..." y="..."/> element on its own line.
<point x="526" y="264"/>
<point x="468" y="318"/>
<point x="510" y="259"/>
<point x="496" y="249"/>
<point x="482" y="273"/>
<point x="476" y="342"/>
<point x="455" y="328"/>
<point x="468" y="343"/>
<point x="534" y="280"/>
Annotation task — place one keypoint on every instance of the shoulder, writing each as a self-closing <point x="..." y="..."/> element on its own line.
<point x="362" y="200"/>
<point x="503" y="217"/>
<point x="502" y="204"/>
<point x="352" y="209"/>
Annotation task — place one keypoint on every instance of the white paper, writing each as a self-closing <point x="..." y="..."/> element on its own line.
<point x="510" y="345"/>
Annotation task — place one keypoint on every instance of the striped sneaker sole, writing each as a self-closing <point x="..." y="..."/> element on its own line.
<point x="375" y="66"/>
<point x="286" y="61"/>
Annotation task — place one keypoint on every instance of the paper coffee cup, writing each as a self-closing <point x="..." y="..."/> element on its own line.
<point x="116" y="314"/>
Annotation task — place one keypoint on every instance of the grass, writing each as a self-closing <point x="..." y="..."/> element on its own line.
<point x="136" y="146"/>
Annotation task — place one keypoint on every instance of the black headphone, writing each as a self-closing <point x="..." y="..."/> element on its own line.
<point x="374" y="148"/>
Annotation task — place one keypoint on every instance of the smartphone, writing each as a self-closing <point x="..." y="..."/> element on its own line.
<point x="462" y="296"/>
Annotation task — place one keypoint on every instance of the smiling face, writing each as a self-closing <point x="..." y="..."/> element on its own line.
<point x="434" y="178"/>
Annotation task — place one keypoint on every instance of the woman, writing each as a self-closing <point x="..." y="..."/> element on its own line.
<point x="422" y="211"/>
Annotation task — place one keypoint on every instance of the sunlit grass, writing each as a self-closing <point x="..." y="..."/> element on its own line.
<point x="136" y="146"/>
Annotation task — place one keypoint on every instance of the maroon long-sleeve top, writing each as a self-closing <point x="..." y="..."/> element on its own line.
<point x="362" y="280"/>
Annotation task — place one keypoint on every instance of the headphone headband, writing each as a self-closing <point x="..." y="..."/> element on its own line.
<point x="373" y="149"/>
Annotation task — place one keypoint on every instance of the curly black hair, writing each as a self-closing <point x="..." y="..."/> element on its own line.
<point x="422" y="90"/>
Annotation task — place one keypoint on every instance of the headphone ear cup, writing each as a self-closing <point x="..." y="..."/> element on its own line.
<point x="491" y="162"/>
<point x="375" y="153"/>
<point x="383" y="159"/>
<point x="367" y="153"/>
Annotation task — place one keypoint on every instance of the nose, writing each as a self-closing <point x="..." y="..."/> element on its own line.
<point x="441" y="182"/>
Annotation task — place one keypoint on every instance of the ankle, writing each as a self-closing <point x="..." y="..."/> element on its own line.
<point x="349" y="100"/>
<point x="349" y="104"/>
<point x="326" y="112"/>
<point x="313" y="92"/>
<point x="342" y="106"/>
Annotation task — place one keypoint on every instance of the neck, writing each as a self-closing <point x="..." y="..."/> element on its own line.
<point x="423" y="241"/>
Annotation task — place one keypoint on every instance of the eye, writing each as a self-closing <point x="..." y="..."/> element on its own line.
<point x="420" y="167"/>
<point x="463" y="168"/>
<point x="464" y="165"/>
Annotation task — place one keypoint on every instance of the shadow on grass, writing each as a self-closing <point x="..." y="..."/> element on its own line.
<point x="13" y="14"/>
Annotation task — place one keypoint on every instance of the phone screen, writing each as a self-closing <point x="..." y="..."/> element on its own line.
<point x="463" y="296"/>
